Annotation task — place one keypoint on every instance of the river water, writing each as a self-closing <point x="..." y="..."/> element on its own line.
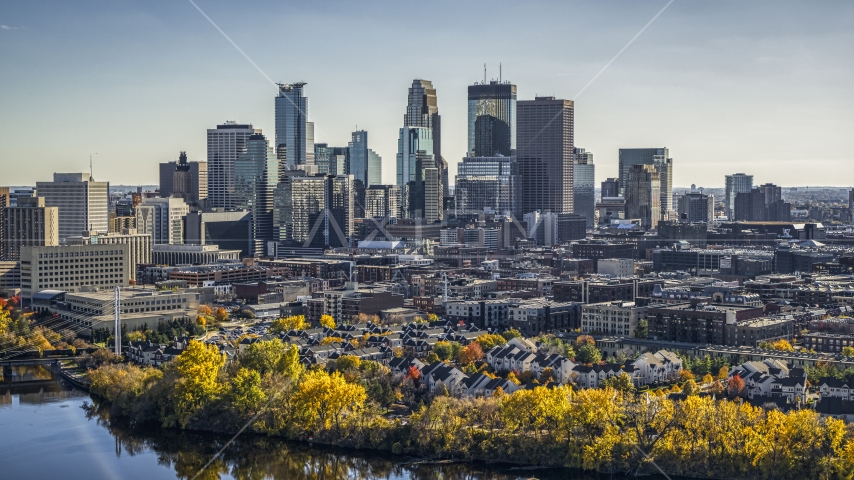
<point x="46" y="433"/>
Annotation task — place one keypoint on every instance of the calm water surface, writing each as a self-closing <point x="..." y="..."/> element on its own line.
<point x="45" y="433"/>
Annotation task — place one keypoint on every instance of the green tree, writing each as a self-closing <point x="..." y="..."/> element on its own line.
<point x="347" y="362"/>
<point x="245" y="393"/>
<point x="621" y="382"/>
<point x="446" y="350"/>
<point x="588" y="354"/>
<point x="642" y="330"/>
<point x="510" y="334"/>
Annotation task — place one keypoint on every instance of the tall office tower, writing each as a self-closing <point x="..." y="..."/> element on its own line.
<point x="851" y="206"/>
<point x="187" y="180"/>
<point x="422" y="110"/>
<point x="5" y="201"/>
<point x="375" y="168"/>
<point x="315" y="211"/>
<point x="330" y="160"/>
<point x="321" y="157"/>
<point x="643" y="195"/>
<point x="256" y="174"/>
<point x="423" y="196"/>
<point x="772" y="192"/>
<point x="492" y="119"/>
<point x="696" y="207"/>
<point x="225" y="142"/>
<point x="611" y="188"/>
<point x="584" y="185"/>
<point x="487" y="185"/>
<point x="29" y="224"/>
<point x="660" y="158"/>
<point x="750" y="206"/>
<point x="84" y="204"/>
<point x="412" y="142"/>
<point x="545" y="154"/>
<point x="382" y="201"/>
<point x="358" y="149"/>
<point x="433" y="195"/>
<point x="735" y="184"/>
<point x="294" y="134"/>
<point x="162" y="218"/>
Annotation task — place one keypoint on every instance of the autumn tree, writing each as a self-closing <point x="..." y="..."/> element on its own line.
<point x="690" y="387"/>
<point x="487" y="341"/>
<point x="848" y="351"/>
<point x="735" y="386"/>
<point x="446" y="350"/>
<point x="347" y="362"/>
<point x="220" y="315"/>
<point x="327" y="321"/>
<point x="470" y="354"/>
<point x="548" y="375"/>
<point x="198" y="368"/>
<point x="686" y="374"/>
<point x="272" y="356"/>
<point x="582" y="340"/>
<point x="723" y="373"/>
<point x="323" y="399"/>
<point x="287" y="324"/>
<point x="708" y="379"/>
<point x="204" y="310"/>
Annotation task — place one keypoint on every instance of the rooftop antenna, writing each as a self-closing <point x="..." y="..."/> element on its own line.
<point x="91" y="175"/>
<point x="484" y="74"/>
<point x="499" y="72"/>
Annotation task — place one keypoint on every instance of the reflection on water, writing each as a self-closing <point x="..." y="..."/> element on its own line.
<point x="25" y="373"/>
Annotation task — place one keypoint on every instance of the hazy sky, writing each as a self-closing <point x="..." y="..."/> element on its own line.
<point x="728" y="86"/>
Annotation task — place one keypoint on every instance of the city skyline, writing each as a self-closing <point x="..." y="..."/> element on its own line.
<point x="693" y="81"/>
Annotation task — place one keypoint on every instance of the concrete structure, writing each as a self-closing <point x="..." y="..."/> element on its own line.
<point x="191" y="254"/>
<point x="256" y="174"/>
<point x="225" y="142"/>
<point x="139" y="245"/>
<point x="70" y="268"/>
<point x="382" y="201"/>
<point x="314" y="211"/>
<point x="545" y="154"/>
<point x="696" y="207"/>
<point x="611" y="318"/>
<point x="162" y="218"/>
<point x="83" y="203"/>
<point x="139" y="308"/>
<point x="616" y="267"/>
<point x="29" y="224"/>
<point x="733" y="185"/>
<point x="10" y="277"/>
<point x="487" y="185"/>
<point x="228" y="229"/>
<point x="187" y="180"/>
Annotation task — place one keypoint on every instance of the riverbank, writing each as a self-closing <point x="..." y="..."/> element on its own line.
<point x="601" y="430"/>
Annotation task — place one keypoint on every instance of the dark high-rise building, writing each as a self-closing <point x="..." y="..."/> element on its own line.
<point x="421" y="171"/>
<point x="851" y="206"/>
<point x="487" y="184"/>
<point x="583" y="185"/>
<point x="696" y="207"/>
<point x="660" y="158"/>
<point x="382" y="201"/>
<point x="643" y="195"/>
<point x="772" y="193"/>
<point x="611" y="188"/>
<point x="545" y="154"/>
<point x="314" y="211"/>
<point x="188" y="180"/>
<point x="492" y="119"/>
<point x="735" y="184"/>
<point x="256" y="174"/>
<point x="422" y="110"/>
<point x="750" y="206"/>
<point x="294" y="133"/>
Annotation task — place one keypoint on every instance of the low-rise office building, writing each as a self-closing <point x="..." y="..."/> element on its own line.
<point x="611" y="318"/>
<point x="72" y="267"/>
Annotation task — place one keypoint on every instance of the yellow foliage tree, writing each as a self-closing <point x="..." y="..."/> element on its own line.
<point x="328" y="340"/>
<point x="327" y="321"/>
<point x="198" y="367"/>
<point x="323" y="399"/>
<point x="284" y="325"/>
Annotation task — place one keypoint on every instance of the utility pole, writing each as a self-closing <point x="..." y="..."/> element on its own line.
<point x="117" y="335"/>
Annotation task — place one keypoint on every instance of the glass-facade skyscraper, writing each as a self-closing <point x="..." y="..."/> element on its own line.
<point x="660" y="158"/>
<point x="294" y="133"/>
<point x="412" y="142"/>
<point x="491" y="119"/>
<point x="256" y="173"/>
<point x="487" y="184"/>
<point x="315" y="211"/>
<point x="583" y="185"/>
<point x="420" y="140"/>
<point x="225" y="142"/>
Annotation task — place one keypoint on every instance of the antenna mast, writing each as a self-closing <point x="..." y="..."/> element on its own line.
<point x="499" y="72"/>
<point x="484" y="74"/>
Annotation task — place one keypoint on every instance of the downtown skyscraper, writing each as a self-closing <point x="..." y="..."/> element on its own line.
<point x="421" y="171"/>
<point x="256" y="175"/>
<point x="225" y="143"/>
<point x="545" y="152"/>
<point x="658" y="157"/>
<point x="294" y="143"/>
<point x="491" y="119"/>
<point x="733" y="185"/>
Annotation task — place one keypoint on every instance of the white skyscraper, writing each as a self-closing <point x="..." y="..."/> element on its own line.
<point x="83" y="203"/>
<point x="225" y="142"/>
